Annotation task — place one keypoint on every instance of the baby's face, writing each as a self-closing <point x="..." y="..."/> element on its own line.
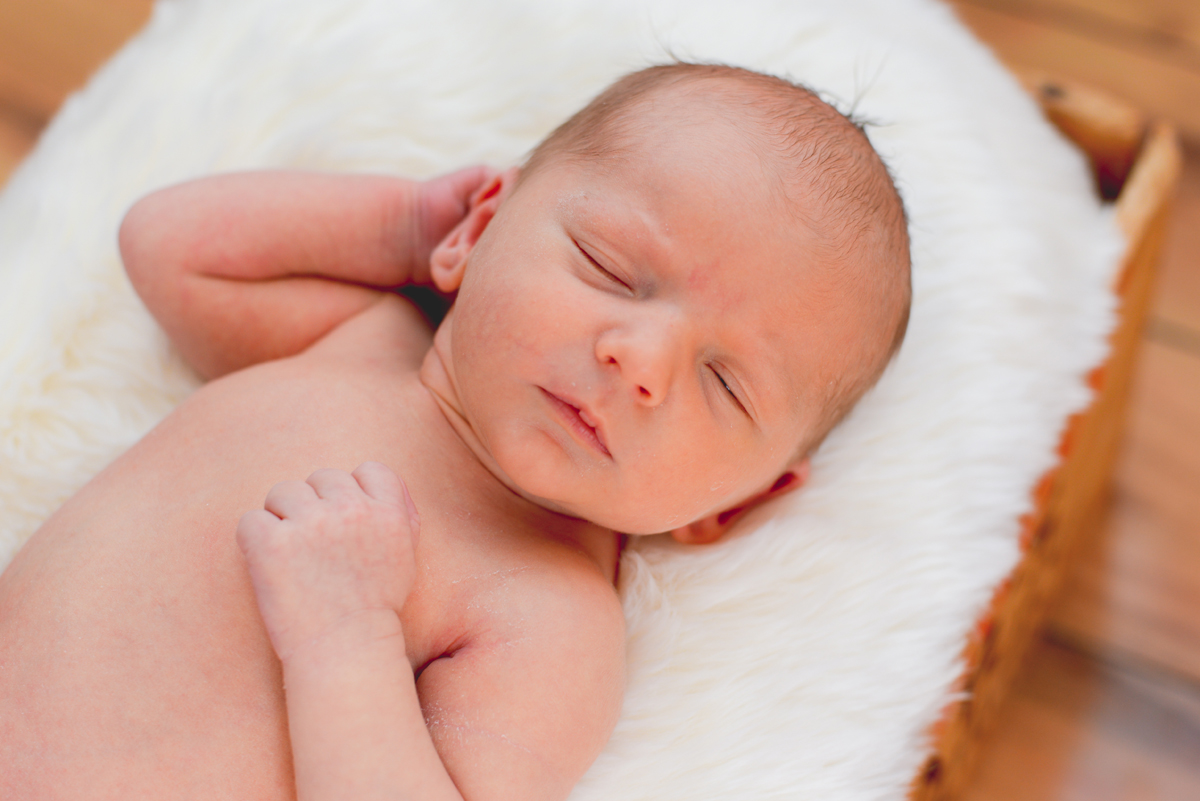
<point x="644" y="345"/>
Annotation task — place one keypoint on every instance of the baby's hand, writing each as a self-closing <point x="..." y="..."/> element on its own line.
<point x="442" y="203"/>
<point x="327" y="549"/>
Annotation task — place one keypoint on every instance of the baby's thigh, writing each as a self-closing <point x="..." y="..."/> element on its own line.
<point x="134" y="665"/>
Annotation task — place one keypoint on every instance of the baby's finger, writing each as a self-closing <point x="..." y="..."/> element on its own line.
<point x="380" y="482"/>
<point x="289" y="498"/>
<point x="253" y="527"/>
<point x="472" y="182"/>
<point x="329" y="482"/>
<point x="466" y="182"/>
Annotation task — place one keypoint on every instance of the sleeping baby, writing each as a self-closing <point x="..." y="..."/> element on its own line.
<point x="655" y="321"/>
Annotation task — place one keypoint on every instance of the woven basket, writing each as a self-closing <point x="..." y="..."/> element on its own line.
<point x="1136" y="163"/>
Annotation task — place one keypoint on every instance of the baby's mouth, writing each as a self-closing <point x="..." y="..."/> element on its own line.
<point x="578" y="421"/>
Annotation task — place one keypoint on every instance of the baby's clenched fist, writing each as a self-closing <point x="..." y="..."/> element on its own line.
<point x="325" y="550"/>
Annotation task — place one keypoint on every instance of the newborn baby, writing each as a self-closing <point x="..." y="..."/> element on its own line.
<point x="655" y="322"/>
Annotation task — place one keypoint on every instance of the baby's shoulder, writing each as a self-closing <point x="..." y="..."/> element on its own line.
<point x="534" y="688"/>
<point x="543" y="601"/>
<point x="392" y="330"/>
<point x="559" y="593"/>
<point x="568" y="586"/>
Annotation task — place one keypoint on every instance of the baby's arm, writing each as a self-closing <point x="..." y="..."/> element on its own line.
<point x="245" y="267"/>
<point x="517" y="711"/>
<point x="332" y="563"/>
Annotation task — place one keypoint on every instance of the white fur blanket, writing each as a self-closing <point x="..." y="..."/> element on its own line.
<point x="804" y="659"/>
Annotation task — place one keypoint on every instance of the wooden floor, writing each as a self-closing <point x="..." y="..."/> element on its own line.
<point x="1108" y="706"/>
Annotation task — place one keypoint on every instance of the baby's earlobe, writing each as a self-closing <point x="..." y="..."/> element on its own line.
<point x="712" y="528"/>
<point x="448" y="262"/>
<point x="702" y="532"/>
<point x="795" y="478"/>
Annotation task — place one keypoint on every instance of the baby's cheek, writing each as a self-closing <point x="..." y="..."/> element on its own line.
<point x="509" y="301"/>
<point x="728" y="469"/>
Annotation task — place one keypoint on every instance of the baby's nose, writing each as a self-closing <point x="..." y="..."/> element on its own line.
<point x="644" y="359"/>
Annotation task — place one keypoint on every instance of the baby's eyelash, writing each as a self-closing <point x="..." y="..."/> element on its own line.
<point x="727" y="389"/>
<point x="600" y="267"/>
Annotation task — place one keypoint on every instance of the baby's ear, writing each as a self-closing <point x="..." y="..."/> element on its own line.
<point x="712" y="528"/>
<point x="449" y="258"/>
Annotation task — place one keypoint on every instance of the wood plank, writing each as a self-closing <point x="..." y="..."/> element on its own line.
<point x="1078" y="729"/>
<point x="1162" y="88"/>
<point x="1166" y="29"/>
<point x="1177" y="299"/>
<point x="1159" y="21"/>
<point x="1137" y="588"/>
<point x="1110" y="132"/>
<point x="1070" y="499"/>
<point x="18" y="133"/>
<point x="48" y="48"/>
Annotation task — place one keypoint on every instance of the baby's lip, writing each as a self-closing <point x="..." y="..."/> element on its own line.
<point x="585" y="425"/>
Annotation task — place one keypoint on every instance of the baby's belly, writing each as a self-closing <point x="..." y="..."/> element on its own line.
<point x="131" y="651"/>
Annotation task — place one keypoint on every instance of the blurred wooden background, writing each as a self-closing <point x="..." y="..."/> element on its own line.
<point x="1108" y="705"/>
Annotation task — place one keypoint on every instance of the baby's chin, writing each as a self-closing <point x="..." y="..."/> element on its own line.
<point x="566" y="490"/>
<point x="625" y="515"/>
<point x="606" y="515"/>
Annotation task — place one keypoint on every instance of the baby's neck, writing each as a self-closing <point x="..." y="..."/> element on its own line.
<point x="490" y="484"/>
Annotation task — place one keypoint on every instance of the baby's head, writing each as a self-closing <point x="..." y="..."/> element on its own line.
<point x="661" y="315"/>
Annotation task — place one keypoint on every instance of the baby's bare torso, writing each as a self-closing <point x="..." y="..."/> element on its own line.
<point x="132" y="656"/>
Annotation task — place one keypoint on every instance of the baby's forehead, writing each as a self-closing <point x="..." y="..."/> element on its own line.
<point x="805" y="153"/>
<point x="659" y="193"/>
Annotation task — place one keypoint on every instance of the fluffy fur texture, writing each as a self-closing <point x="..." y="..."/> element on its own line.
<point x="805" y="658"/>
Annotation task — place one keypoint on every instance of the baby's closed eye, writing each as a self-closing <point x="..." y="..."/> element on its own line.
<point x="605" y="273"/>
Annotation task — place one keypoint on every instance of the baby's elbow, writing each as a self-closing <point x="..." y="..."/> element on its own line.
<point x="134" y="239"/>
<point x="149" y="247"/>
